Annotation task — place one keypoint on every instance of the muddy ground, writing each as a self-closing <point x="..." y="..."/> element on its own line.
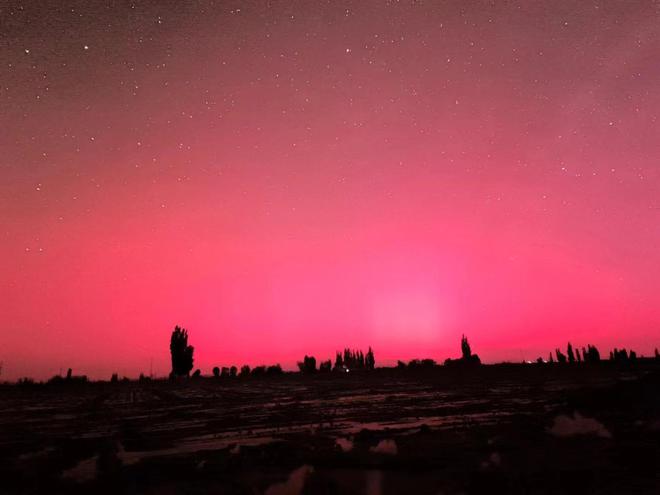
<point x="497" y="429"/>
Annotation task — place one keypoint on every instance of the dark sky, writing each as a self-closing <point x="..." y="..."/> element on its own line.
<point x="291" y="177"/>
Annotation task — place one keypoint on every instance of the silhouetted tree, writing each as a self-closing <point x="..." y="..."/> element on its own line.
<point x="245" y="370"/>
<point x="551" y="359"/>
<point x="569" y="352"/>
<point x="561" y="357"/>
<point x="182" y="353"/>
<point x="620" y="355"/>
<point x="370" y="360"/>
<point x="197" y="373"/>
<point x="325" y="366"/>
<point x="578" y="355"/>
<point x="592" y="355"/>
<point x="232" y="372"/>
<point x="224" y="372"/>
<point x="624" y="357"/>
<point x="347" y="359"/>
<point x="307" y="365"/>
<point x="114" y="378"/>
<point x="69" y="373"/>
<point x="400" y="365"/>
<point x="216" y="372"/>
<point x="339" y="361"/>
<point x="657" y="354"/>
<point x="466" y="351"/>
<point x="539" y="360"/>
<point x="354" y="359"/>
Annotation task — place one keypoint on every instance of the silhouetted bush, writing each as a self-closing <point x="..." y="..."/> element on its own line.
<point x="401" y="365"/>
<point x="657" y="354"/>
<point x="56" y="379"/>
<point x="225" y="372"/>
<point x="258" y="371"/>
<point x="420" y="364"/>
<point x="274" y="369"/>
<point x="245" y="370"/>
<point x="114" y="378"/>
<point x="197" y="373"/>
<point x="182" y="353"/>
<point x="307" y="365"/>
<point x="325" y="366"/>
<point x="216" y="372"/>
<point x="232" y="372"/>
<point x="143" y="378"/>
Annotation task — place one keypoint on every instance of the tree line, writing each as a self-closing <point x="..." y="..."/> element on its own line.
<point x="182" y="359"/>
<point x="357" y="360"/>
<point x="591" y="354"/>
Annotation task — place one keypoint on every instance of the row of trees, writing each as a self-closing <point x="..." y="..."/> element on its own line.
<point x="182" y="361"/>
<point x="355" y="359"/>
<point x="347" y="360"/>
<point x="591" y="354"/>
<point x="233" y="372"/>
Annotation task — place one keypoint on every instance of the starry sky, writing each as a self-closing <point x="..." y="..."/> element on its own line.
<point x="291" y="177"/>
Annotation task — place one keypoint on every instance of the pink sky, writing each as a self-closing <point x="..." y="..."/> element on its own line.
<point x="283" y="181"/>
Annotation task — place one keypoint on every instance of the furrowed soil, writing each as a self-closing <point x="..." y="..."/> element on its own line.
<point x="495" y="429"/>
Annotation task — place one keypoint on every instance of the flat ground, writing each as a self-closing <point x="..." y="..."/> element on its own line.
<point x="507" y="428"/>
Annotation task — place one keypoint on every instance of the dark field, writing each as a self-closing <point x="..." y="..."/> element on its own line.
<point x="496" y="429"/>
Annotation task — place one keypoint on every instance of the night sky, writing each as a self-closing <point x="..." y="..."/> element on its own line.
<point x="289" y="177"/>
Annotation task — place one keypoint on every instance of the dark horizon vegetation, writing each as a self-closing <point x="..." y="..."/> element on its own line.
<point x="348" y="360"/>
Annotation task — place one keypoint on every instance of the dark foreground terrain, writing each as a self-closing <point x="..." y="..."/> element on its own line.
<point x="497" y="429"/>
